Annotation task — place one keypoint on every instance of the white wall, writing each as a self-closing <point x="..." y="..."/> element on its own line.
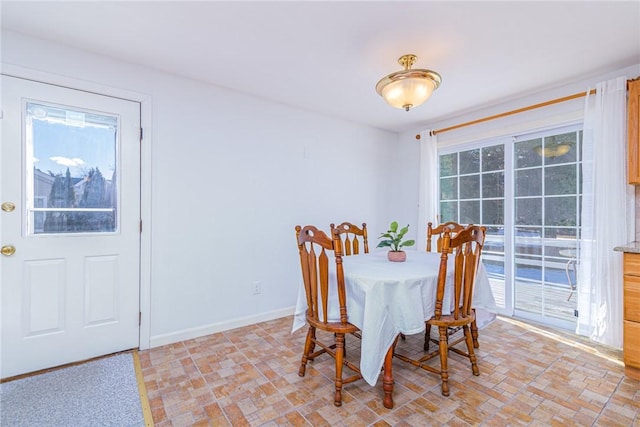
<point x="231" y="175"/>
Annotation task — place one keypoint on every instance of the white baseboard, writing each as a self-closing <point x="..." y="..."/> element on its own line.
<point x="200" y="331"/>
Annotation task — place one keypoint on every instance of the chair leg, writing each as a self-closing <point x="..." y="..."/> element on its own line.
<point x="472" y="354"/>
<point x="474" y="332"/>
<point x="427" y="337"/>
<point x="444" y="350"/>
<point x="309" y="346"/>
<point x="345" y="343"/>
<point x="337" y="398"/>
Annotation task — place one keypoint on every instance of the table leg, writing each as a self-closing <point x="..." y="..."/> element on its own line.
<point x="387" y="377"/>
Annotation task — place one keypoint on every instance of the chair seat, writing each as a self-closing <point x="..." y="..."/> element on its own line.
<point x="337" y="327"/>
<point x="450" y="321"/>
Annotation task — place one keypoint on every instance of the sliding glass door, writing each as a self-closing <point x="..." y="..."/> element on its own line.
<point x="526" y="190"/>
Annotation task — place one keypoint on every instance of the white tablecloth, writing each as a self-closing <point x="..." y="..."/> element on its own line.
<point x="386" y="298"/>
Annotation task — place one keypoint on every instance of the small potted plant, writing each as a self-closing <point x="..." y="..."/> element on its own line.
<point x="393" y="241"/>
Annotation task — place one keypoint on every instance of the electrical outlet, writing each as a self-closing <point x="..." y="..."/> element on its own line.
<point x="257" y="287"/>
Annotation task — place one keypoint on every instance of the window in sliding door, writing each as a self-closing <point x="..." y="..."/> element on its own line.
<point x="546" y="220"/>
<point x="472" y="192"/>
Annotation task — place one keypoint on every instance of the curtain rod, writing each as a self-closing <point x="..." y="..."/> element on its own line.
<point x="509" y="113"/>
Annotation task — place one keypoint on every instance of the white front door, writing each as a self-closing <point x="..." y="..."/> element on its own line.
<point x="70" y="225"/>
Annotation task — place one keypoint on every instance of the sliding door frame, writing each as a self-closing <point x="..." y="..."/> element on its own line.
<point x="508" y="142"/>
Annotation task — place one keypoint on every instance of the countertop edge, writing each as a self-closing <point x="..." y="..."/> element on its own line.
<point x="631" y="247"/>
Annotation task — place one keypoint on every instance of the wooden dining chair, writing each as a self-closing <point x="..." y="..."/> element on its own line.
<point x="438" y="232"/>
<point x="314" y="246"/>
<point x="351" y="235"/>
<point x="465" y="248"/>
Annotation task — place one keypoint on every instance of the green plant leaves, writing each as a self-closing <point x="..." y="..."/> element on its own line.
<point x="408" y="243"/>
<point x="393" y="238"/>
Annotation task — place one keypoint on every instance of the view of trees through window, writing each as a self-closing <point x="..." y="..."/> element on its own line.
<point x="76" y="197"/>
<point x="542" y="172"/>
<point x="472" y="192"/>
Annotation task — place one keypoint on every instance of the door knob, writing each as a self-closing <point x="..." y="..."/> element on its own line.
<point x="8" y="250"/>
<point x="8" y="207"/>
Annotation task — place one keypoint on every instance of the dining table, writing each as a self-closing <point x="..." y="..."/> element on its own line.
<point x="385" y="299"/>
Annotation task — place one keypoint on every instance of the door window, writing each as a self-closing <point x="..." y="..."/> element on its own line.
<point x="71" y="158"/>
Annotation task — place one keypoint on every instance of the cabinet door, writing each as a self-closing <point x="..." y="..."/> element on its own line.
<point x="631" y="264"/>
<point x="632" y="298"/>
<point x="632" y="344"/>
<point x="634" y="131"/>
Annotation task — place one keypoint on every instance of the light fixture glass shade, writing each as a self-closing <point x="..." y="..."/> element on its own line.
<point x="408" y="88"/>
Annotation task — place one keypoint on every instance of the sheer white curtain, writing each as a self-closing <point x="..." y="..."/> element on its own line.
<point x="608" y="215"/>
<point x="428" y="197"/>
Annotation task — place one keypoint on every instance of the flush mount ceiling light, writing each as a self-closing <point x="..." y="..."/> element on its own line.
<point x="408" y="88"/>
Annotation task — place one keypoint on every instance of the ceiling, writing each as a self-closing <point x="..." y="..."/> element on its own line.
<point x="327" y="56"/>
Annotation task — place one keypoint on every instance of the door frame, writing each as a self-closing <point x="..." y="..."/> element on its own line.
<point x="145" y="172"/>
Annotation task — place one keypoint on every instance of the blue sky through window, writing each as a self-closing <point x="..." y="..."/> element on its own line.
<point x="75" y="139"/>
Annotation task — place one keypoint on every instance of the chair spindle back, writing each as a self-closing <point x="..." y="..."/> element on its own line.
<point x="466" y="248"/>
<point x="453" y="226"/>
<point x="352" y="235"/>
<point x="313" y="245"/>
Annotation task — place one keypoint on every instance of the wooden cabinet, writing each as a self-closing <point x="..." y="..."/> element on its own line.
<point x="631" y="328"/>
<point x="634" y="131"/>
